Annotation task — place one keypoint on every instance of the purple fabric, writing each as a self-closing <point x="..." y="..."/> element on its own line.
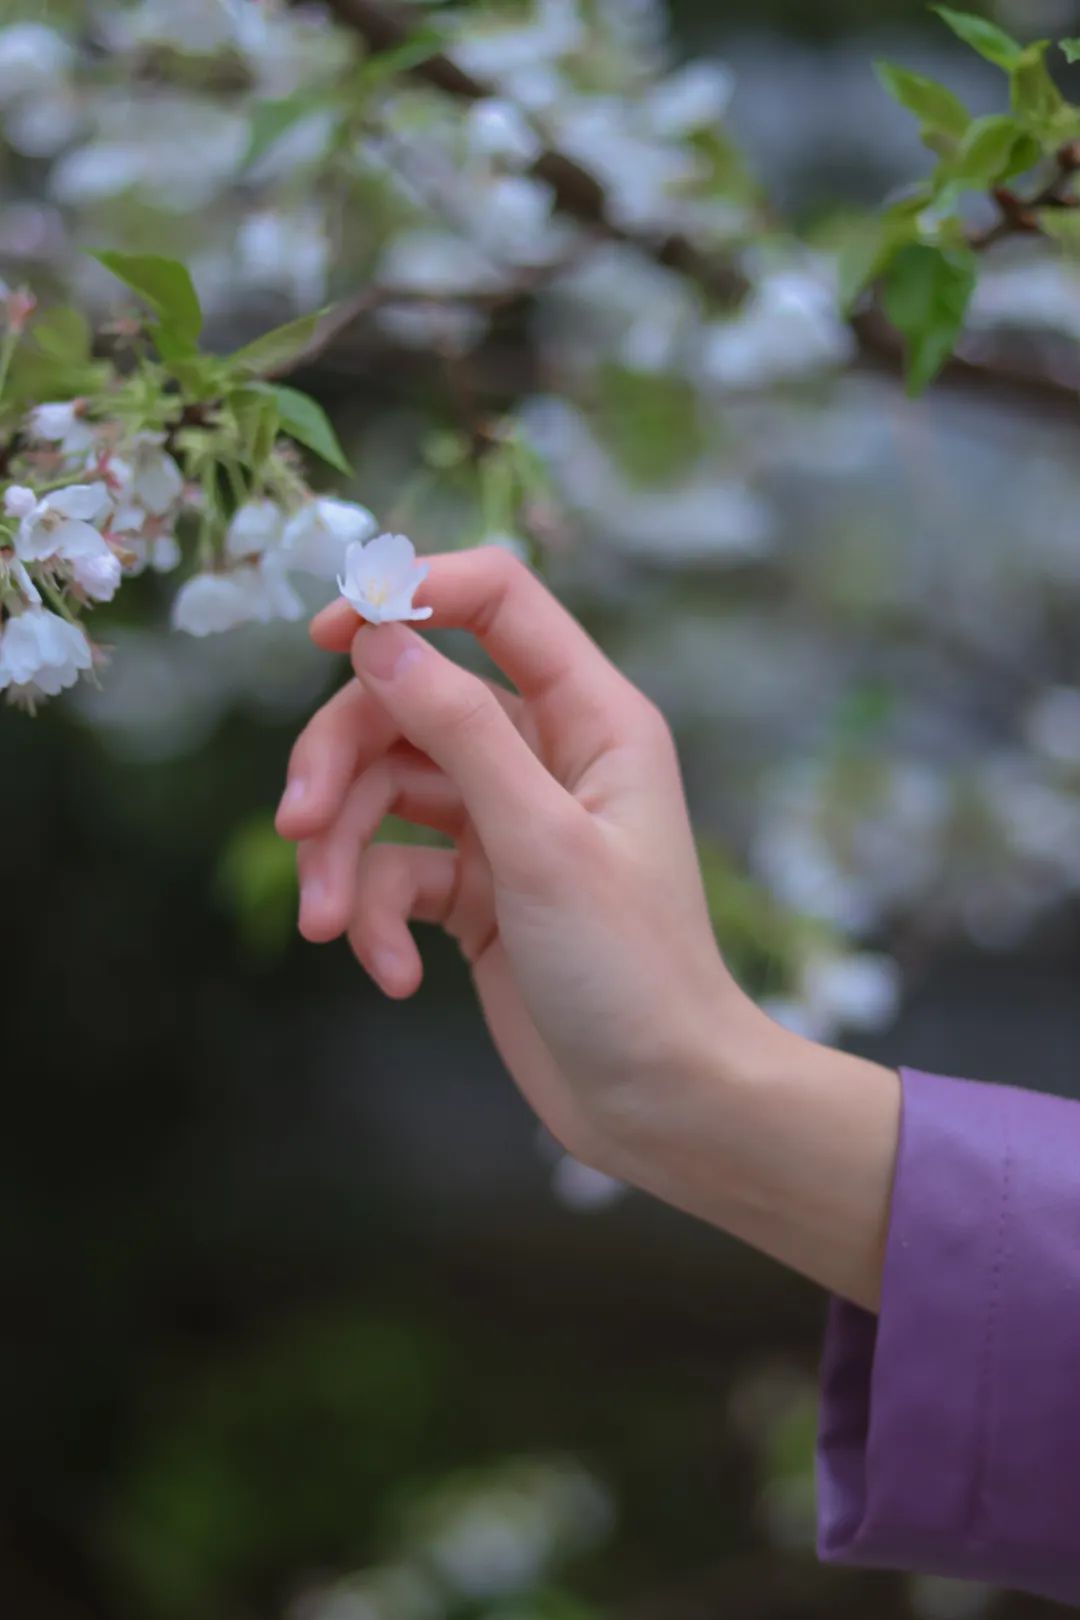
<point x="950" y="1433"/>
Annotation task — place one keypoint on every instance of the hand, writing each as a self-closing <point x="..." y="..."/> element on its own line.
<point x="573" y="889"/>
<point x="573" y="886"/>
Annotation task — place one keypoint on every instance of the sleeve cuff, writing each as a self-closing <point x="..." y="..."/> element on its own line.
<point x="950" y="1432"/>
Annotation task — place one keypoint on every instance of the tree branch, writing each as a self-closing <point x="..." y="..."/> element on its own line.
<point x="576" y="191"/>
<point x="1021" y="215"/>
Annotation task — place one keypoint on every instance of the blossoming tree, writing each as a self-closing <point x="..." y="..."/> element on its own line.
<point x="539" y="236"/>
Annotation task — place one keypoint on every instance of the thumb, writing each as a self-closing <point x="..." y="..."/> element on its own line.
<point x="516" y="806"/>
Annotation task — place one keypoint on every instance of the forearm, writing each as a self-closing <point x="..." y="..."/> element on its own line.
<point x="789" y="1146"/>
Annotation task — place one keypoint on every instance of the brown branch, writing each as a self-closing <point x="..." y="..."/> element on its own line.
<point x="1011" y="369"/>
<point x="1019" y="215"/>
<point x="383" y="27"/>
<point x="576" y="191"/>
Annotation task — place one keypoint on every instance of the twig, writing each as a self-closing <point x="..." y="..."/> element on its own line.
<point x="1018" y="215"/>
<point x="576" y="191"/>
<point x="579" y="194"/>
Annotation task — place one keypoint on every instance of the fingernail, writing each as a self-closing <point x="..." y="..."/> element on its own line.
<point x="294" y="794"/>
<point x="312" y="891"/>
<point x="387" y="964"/>
<point x="386" y="650"/>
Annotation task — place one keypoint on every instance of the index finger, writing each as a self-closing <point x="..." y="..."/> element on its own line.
<point x="516" y="619"/>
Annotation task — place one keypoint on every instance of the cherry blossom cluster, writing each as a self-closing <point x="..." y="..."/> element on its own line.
<point x="107" y="507"/>
<point x="96" y="494"/>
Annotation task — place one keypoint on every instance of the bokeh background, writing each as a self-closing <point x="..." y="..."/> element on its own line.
<point x="302" y="1318"/>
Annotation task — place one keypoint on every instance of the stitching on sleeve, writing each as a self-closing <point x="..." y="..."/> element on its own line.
<point x="988" y="1353"/>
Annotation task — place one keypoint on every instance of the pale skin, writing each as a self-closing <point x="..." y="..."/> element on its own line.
<point x="573" y="890"/>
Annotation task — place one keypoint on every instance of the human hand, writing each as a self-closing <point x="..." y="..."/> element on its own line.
<point x="573" y="885"/>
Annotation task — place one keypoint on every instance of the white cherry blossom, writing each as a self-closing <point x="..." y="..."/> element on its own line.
<point x="41" y="651"/>
<point x="62" y="525"/>
<point x="257" y="526"/>
<point x="98" y="576"/>
<point x="257" y="593"/>
<point x="197" y="27"/>
<point x="495" y="128"/>
<point x="33" y="58"/>
<point x="490" y="50"/>
<point x="288" y="251"/>
<point x="691" y="98"/>
<point x="209" y="603"/>
<point x="61" y="423"/>
<point x="147" y="475"/>
<point x="316" y="537"/>
<point x="853" y="992"/>
<point x="381" y="578"/>
<point x="790" y="324"/>
<point x="160" y="553"/>
<point x="19" y="501"/>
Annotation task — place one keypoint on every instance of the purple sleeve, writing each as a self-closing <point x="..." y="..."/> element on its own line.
<point x="950" y="1433"/>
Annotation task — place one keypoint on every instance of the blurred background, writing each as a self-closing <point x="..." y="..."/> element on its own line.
<point x="303" y="1318"/>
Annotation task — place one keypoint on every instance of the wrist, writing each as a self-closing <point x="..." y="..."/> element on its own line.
<point x="707" y="1066"/>
<point x="785" y="1144"/>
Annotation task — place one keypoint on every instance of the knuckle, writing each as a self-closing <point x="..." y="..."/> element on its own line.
<point x="466" y="710"/>
<point x="500" y="575"/>
<point x="571" y="834"/>
<point x="500" y="567"/>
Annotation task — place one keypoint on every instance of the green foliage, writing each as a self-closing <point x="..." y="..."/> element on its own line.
<point x="276" y="348"/>
<point x="256" y="416"/>
<point x="166" y="286"/>
<point x="763" y="941"/>
<point x="993" y="149"/>
<point x="257" y="884"/>
<point x="278" y="1458"/>
<point x="1070" y="49"/>
<point x="420" y="47"/>
<point x="64" y="334"/>
<point x="306" y="422"/>
<point x="53" y="361"/>
<point x="941" y="115"/>
<point x="272" y="119"/>
<point x="1037" y="101"/>
<point x="927" y="290"/>
<point x="651" y="422"/>
<point x="870" y="243"/>
<point x="985" y="37"/>
<point x="1063" y="225"/>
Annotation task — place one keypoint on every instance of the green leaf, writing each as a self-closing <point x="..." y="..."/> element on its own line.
<point x="257" y="419"/>
<point x="276" y="348"/>
<point x="985" y="37"/>
<point x="1037" y="100"/>
<point x="411" y="53"/>
<point x="651" y="423"/>
<point x="1063" y="226"/>
<point x="305" y="421"/>
<point x="871" y="242"/>
<point x="935" y="106"/>
<point x="927" y="290"/>
<point x="165" y="285"/>
<point x="256" y="880"/>
<point x="35" y="376"/>
<point x="1070" y="49"/>
<point x="271" y="119"/>
<point x="993" y="149"/>
<point x="63" y="333"/>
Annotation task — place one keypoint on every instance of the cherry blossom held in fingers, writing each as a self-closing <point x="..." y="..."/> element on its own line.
<point x="381" y="579"/>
